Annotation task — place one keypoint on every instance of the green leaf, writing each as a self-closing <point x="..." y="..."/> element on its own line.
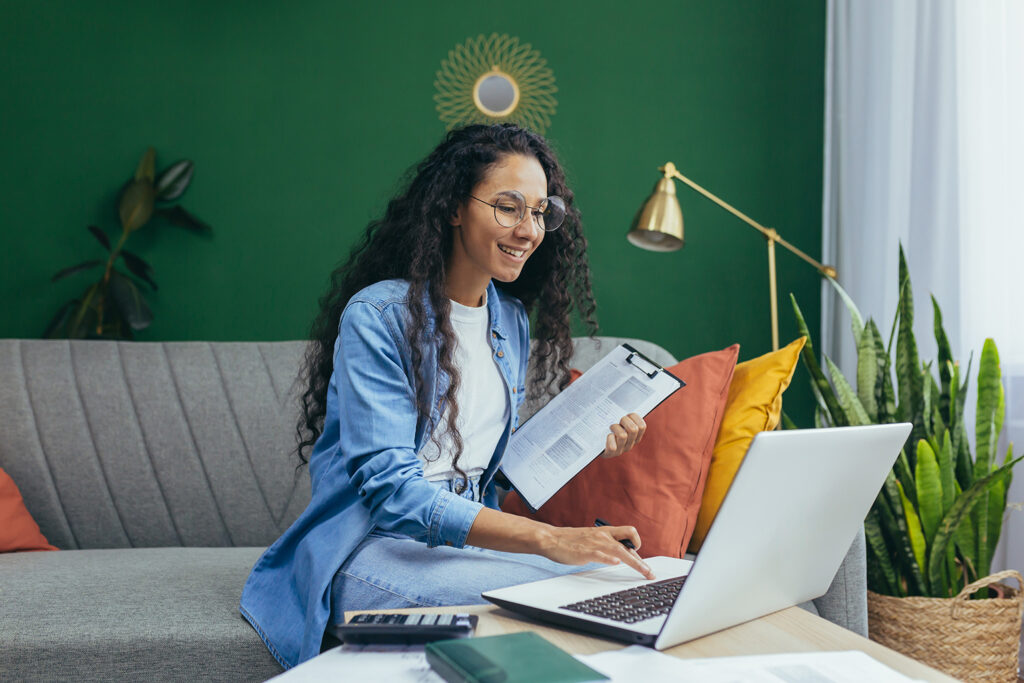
<point x="137" y="203"/>
<point x="129" y="301"/>
<point x="928" y="479"/>
<point x="85" y="316"/>
<point x="898" y="536"/>
<point x="884" y="394"/>
<point x="84" y="265"/>
<point x="952" y="519"/>
<point x="856" y="320"/>
<point x="991" y="405"/>
<point x="139" y="268"/>
<point x="100" y="236"/>
<point x="867" y="373"/>
<point x="945" y="461"/>
<point x="787" y="422"/>
<point x="904" y="473"/>
<point x="945" y="357"/>
<point x="174" y="181"/>
<point x="914" y="530"/>
<point x="909" y="380"/>
<point x="183" y="219"/>
<point x="848" y="400"/>
<point x="876" y="542"/>
<point x="819" y="385"/>
<point x="144" y="171"/>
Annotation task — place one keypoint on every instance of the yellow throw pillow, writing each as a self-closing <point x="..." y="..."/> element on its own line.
<point x="754" y="405"/>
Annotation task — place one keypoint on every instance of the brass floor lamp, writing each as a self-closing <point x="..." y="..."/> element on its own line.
<point x="659" y="227"/>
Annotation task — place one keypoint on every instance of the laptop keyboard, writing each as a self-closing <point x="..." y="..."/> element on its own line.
<point x="633" y="604"/>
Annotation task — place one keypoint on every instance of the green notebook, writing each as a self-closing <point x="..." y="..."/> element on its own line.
<point x="512" y="658"/>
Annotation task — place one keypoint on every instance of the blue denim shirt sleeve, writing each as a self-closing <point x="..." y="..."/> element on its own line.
<point x="377" y="447"/>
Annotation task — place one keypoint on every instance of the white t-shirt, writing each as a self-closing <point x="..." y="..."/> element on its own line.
<point x="482" y="399"/>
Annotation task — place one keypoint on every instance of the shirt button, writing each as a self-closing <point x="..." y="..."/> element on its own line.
<point x="513" y="390"/>
<point x="494" y="334"/>
<point x="501" y="354"/>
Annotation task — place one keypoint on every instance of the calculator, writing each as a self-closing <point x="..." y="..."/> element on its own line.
<point x="403" y="629"/>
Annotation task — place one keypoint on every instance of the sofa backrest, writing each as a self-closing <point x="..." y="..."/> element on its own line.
<point x="130" y="444"/>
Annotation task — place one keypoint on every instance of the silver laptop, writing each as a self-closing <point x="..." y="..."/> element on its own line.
<point x="779" y="537"/>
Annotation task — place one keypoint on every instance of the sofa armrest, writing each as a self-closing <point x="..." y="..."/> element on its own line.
<point x="846" y="602"/>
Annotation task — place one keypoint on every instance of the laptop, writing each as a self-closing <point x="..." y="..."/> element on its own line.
<point x="780" y="535"/>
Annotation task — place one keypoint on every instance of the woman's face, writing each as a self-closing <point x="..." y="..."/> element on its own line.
<point x="482" y="248"/>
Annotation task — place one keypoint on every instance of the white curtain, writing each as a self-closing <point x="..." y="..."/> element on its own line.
<point x="924" y="146"/>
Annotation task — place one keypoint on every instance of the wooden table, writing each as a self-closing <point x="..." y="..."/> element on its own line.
<point x="790" y="630"/>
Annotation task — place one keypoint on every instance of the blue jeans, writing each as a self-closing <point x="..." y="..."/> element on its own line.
<point x="388" y="571"/>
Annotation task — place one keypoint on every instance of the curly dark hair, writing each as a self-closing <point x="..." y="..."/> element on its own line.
<point x="413" y="242"/>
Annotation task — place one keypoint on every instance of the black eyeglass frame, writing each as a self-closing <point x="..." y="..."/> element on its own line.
<point x="536" y="216"/>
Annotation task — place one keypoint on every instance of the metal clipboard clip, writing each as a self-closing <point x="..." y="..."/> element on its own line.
<point x="642" y="359"/>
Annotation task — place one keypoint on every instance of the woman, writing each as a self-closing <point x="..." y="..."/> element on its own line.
<point x="415" y="375"/>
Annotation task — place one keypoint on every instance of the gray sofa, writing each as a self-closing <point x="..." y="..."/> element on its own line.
<point x="162" y="470"/>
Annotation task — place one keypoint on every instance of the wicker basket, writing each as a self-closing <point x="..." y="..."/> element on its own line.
<point x="973" y="640"/>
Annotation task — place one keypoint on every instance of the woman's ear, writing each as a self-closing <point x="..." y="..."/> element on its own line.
<point x="456" y="218"/>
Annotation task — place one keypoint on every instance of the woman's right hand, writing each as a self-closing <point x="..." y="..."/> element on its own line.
<point x="580" y="545"/>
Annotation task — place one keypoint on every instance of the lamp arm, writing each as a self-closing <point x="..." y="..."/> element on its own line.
<point x="671" y="171"/>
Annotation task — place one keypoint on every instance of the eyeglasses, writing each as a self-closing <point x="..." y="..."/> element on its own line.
<point x="510" y="210"/>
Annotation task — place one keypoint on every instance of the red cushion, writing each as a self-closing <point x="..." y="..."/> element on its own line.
<point x="656" y="487"/>
<point x="18" y="531"/>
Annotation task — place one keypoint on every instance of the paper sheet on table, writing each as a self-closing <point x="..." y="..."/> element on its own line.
<point x="395" y="664"/>
<point x="556" y="443"/>
<point x="638" y="663"/>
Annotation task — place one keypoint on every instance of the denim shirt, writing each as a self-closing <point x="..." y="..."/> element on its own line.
<point x="364" y="470"/>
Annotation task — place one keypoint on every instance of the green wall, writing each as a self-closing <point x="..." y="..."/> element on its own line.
<point x="301" y="117"/>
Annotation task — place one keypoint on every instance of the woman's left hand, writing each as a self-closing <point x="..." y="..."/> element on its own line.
<point x="624" y="435"/>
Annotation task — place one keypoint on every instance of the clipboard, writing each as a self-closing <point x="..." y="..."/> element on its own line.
<point x="564" y="436"/>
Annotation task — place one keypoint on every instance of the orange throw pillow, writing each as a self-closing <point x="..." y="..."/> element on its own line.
<point x="657" y="486"/>
<point x="754" y="405"/>
<point x="18" y="531"/>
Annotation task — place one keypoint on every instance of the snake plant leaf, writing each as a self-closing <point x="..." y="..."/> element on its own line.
<point x="909" y="380"/>
<point x="904" y="473"/>
<point x="856" y="319"/>
<point x="945" y="356"/>
<point x="174" y="180"/>
<point x="928" y="478"/>
<point x="822" y="389"/>
<point x="183" y="219"/>
<point x="848" y="400"/>
<point x="139" y="268"/>
<point x="876" y="542"/>
<point x="70" y="270"/>
<point x="129" y="301"/>
<point x="895" y="525"/>
<point x="991" y="405"/>
<point x="994" y="517"/>
<point x="144" y="171"/>
<point x="787" y="422"/>
<point x="867" y="374"/>
<point x="137" y="203"/>
<point x="952" y="519"/>
<point x="945" y="462"/>
<point x="100" y="236"/>
<point x="885" y="395"/>
<point x="926" y="400"/>
<point x="914" y="531"/>
<point x="59" y="320"/>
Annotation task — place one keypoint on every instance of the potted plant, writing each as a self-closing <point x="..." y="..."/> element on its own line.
<point x="933" y="528"/>
<point x="113" y="306"/>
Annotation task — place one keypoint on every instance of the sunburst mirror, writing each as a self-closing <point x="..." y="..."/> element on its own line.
<point x="495" y="79"/>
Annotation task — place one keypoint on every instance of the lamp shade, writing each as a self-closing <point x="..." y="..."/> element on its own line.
<point x="658" y="225"/>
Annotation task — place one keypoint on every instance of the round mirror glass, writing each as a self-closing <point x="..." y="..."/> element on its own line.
<point x="496" y="94"/>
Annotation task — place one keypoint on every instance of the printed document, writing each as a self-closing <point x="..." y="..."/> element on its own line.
<point x="551" y="447"/>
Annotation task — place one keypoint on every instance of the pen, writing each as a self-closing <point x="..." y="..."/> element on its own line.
<point x="625" y="541"/>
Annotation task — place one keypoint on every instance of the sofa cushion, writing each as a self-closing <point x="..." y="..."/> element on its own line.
<point x="657" y="487"/>
<point x="754" y="405"/>
<point x="18" y="531"/>
<point x="129" y="614"/>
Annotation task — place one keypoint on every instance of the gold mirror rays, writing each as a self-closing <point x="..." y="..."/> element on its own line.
<point x="495" y="79"/>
